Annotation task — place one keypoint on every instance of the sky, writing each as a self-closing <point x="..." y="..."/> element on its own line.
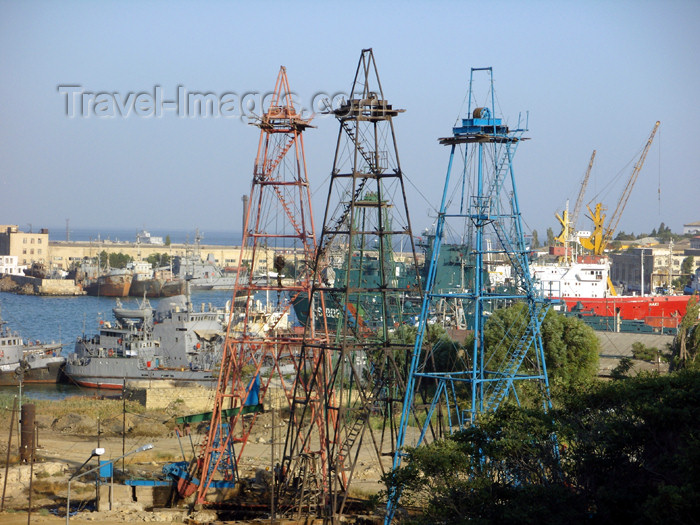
<point x="591" y="75"/>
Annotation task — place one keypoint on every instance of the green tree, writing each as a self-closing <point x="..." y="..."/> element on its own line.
<point x="550" y="237"/>
<point x="500" y="471"/>
<point x="622" y="236"/>
<point x="167" y="240"/>
<point x="535" y="240"/>
<point x="627" y="453"/>
<point x="622" y="370"/>
<point x="687" y="268"/>
<point x="633" y="448"/>
<point x="650" y="354"/>
<point x="158" y="260"/>
<point x="114" y="260"/>
<point x="686" y="344"/>
<point x="119" y="260"/>
<point x="570" y="346"/>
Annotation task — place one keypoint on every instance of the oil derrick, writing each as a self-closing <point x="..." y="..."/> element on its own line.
<point x="479" y="210"/>
<point x="277" y="249"/>
<point x="362" y="287"/>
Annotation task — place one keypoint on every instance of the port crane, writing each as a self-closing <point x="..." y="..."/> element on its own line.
<point x="568" y="222"/>
<point x="601" y="236"/>
<point x="581" y="193"/>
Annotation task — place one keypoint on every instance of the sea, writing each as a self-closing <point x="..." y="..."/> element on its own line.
<point x="218" y="238"/>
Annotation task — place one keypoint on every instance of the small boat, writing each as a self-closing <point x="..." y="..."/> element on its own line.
<point x="156" y="283"/>
<point x="29" y="362"/>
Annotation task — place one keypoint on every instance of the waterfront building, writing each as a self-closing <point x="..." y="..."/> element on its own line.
<point x="691" y="227"/>
<point x="661" y="262"/>
<point x="28" y="247"/>
<point x="9" y="266"/>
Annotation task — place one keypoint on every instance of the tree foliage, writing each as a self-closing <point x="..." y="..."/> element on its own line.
<point x="686" y="344"/>
<point x="625" y="452"/>
<point x="491" y="473"/>
<point x="158" y="260"/>
<point x="688" y="266"/>
<point x="114" y="260"/>
<point x="570" y="346"/>
<point x="550" y="237"/>
<point x="622" y="236"/>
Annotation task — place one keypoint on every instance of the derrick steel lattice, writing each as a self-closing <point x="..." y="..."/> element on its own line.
<point x="479" y="210"/>
<point x="359" y="375"/>
<point x="277" y="250"/>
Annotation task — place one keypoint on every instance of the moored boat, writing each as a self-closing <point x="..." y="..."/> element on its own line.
<point x="29" y="362"/>
<point x="583" y="287"/>
<point x="115" y="283"/>
<point x="158" y="284"/>
<point x="171" y="343"/>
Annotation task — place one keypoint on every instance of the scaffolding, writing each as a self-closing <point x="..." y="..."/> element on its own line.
<point x="479" y="211"/>
<point x="355" y="381"/>
<point x="262" y="344"/>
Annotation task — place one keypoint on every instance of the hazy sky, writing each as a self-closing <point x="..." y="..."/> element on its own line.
<point x="593" y="75"/>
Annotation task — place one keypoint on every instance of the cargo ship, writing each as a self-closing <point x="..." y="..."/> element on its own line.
<point x="583" y="288"/>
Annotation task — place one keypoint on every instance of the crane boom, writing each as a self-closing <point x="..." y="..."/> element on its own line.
<point x="615" y="218"/>
<point x="581" y="193"/>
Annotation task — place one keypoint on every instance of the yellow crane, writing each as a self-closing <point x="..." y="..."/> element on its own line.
<point x="601" y="236"/>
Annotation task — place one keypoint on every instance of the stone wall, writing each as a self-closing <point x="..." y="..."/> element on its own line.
<point x="158" y="395"/>
<point x="35" y="286"/>
<point x="190" y="397"/>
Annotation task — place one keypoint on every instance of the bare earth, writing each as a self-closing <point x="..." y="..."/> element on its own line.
<point x="61" y="452"/>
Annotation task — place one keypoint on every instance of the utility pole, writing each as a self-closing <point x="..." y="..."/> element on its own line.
<point x="670" y="266"/>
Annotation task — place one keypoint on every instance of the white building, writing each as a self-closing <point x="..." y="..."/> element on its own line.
<point x="8" y="265"/>
<point x="144" y="237"/>
<point x="692" y="227"/>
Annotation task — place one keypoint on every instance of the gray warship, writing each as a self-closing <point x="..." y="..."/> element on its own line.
<point x="174" y="342"/>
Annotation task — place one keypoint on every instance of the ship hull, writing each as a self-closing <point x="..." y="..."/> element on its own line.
<point x="660" y="311"/>
<point x="146" y="288"/>
<point x="110" y="286"/>
<point x="173" y="288"/>
<point x="112" y="372"/>
<point x="154" y="288"/>
<point x="50" y="373"/>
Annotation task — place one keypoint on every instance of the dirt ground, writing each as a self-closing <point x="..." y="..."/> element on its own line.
<point x="63" y="447"/>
